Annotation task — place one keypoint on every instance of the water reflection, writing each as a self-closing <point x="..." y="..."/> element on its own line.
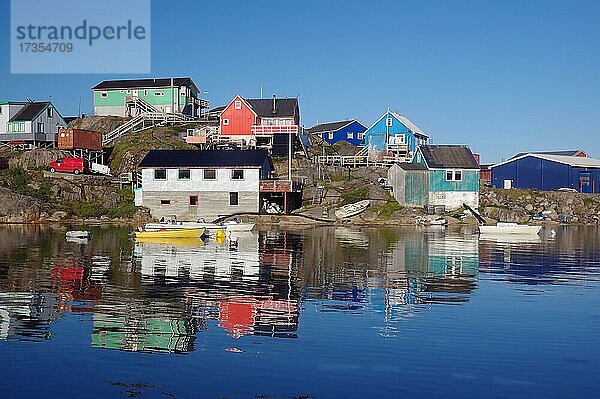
<point x="159" y="297"/>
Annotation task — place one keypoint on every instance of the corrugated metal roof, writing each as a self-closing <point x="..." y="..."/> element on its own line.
<point x="580" y="162"/>
<point x="408" y="123"/>
<point x="448" y="156"/>
<point x="204" y="158"/>
<point x="570" y="153"/>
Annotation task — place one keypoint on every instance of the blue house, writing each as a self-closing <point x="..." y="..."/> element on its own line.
<point x="439" y="175"/>
<point x="351" y="131"/>
<point x="395" y="133"/>
<point x="544" y="171"/>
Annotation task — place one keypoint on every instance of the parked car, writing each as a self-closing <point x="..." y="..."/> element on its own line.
<point x="69" y="165"/>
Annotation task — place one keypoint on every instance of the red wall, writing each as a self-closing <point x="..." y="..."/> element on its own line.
<point x="240" y="120"/>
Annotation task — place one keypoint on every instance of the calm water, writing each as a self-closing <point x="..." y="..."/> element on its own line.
<point x="316" y="313"/>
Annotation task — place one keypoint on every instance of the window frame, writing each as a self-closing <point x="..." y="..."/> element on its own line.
<point x="350" y="135"/>
<point x="190" y="200"/>
<point x="233" y="171"/>
<point x="237" y="104"/>
<point x="226" y="122"/>
<point x="189" y="171"/>
<point x="40" y="127"/>
<point x="160" y="178"/>
<point x="207" y="178"/>
<point x="236" y="195"/>
<point x="330" y="136"/>
<point x="165" y="202"/>
<point x="104" y="94"/>
<point x="453" y="173"/>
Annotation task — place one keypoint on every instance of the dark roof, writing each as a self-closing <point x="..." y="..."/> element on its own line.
<point x="411" y="166"/>
<point x="568" y="153"/>
<point x="218" y="109"/>
<point x="448" y="156"/>
<point x="30" y="111"/>
<point x="284" y="107"/>
<point x="140" y="83"/>
<point x="204" y="158"/>
<point x="330" y="127"/>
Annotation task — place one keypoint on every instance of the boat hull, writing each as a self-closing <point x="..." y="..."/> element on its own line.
<point x="175" y="233"/>
<point x="510" y="228"/>
<point x="350" y="210"/>
<point x="210" y="228"/>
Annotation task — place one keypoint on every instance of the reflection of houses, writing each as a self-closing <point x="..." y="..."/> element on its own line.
<point x="27" y="315"/>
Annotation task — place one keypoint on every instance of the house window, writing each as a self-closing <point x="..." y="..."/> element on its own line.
<point x="160" y="174"/>
<point x="210" y="174"/>
<point x="145" y="92"/>
<point x="184" y="174"/>
<point x="330" y="136"/>
<point x="129" y="91"/>
<point x="388" y="122"/>
<point x="225" y="122"/>
<point x="9" y="127"/>
<point x="103" y="94"/>
<point x="238" y="105"/>
<point x="237" y="174"/>
<point x="193" y="200"/>
<point x="350" y="135"/>
<point x="40" y="127"/>
<point x="183" y="92"/>
<point x="233" y="199"/>
<point x="159" y="94"/>
<point x="453" y="175"/>
<point x="360" y="136"/>
<point x="22" y="126"/>
<point x="165" y="202"/>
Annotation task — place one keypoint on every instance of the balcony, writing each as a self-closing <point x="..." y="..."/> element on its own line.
<point x="269" y="130"/>
<point x="279" y="186"/>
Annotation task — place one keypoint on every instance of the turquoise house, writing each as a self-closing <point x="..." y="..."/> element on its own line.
<point x="439" y="175"/>
<point x="396" y="134"/>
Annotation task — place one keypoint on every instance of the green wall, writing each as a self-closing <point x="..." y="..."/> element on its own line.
<point x="438" y="182"/>
<point x="116" y="98"/>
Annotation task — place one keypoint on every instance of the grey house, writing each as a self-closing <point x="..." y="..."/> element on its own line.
<point x="29" y="123"/>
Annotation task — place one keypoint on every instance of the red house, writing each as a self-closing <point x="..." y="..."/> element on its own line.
<point x="262" y="123"/>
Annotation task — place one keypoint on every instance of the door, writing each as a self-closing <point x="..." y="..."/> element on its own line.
<point x="136" y="93"/>
<point x="585" y="182"/>
<point x="507" y="184"/>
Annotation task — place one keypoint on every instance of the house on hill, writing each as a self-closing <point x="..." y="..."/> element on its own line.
<point x="262" y="123"/>
<point x="33" y="123"/>
<point x="351" y="131"/>
<point x="544" y="171"/>
<point x="129" y="97"/>
<point x="394" y="135"/>
<point x="439" y="175"/>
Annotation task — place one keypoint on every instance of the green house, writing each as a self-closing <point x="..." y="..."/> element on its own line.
<point x="130" y="97"/>
<point x="439" y="175"/>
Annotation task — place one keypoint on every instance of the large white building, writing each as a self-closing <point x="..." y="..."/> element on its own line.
<point x="192" y="185"/>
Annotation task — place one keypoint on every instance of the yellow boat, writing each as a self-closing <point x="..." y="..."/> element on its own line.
<point x="181" y="233"/>
<point x="175" y="241"/>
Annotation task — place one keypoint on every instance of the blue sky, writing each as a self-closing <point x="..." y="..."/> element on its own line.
<point x="502" y="77"/>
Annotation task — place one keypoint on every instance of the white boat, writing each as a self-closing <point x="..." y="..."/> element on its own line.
<point x="210" y="228"/>
<point x="349" y="210"/>
<point x="431" y="221"/>
<point x="510" y="228"/>
<point x="77" y="234"/>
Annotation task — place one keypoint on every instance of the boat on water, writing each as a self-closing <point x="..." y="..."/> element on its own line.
<point x="211" y="228"/>
<point x="77" y="234"/>
<point x="510" y="228"/>
<point x="175" y="241"/>
<point x="350" y="210"/>
<point x="173" y="233"/>
<point x="431" y="221"/>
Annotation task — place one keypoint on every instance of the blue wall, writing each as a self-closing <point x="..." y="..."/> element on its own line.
<point x="342" y="134"/>
<point x="375" y="136"/>
<point x="541" y="174"/>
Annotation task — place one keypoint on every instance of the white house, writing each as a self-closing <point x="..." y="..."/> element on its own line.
<point x="192" y="184"/>
<point x="33" y="123"/>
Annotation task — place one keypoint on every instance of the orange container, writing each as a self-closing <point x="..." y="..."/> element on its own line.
<point x="79" y="139"/>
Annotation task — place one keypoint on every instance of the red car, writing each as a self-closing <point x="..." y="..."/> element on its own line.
<point x="69" y="165"/>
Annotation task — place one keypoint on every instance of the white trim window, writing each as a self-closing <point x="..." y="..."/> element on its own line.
<point x="234" y="199"/>
<point x="209" y="174"/>
<point x="237" y="104"/>
<point x="159" y="93"/>
<point x="330" y="136"/>
<point x="145" y="92"/>
<point x="389" y="122"/>
<point x="237" y="174"/>
<point x="184" y="174"/>
<point x="103" y="94"/>
<point x="225" y="122"/>
<point x="454" y="175"/>
<point x="40" y="127"/>
<point x="350" y="135"/>
<point x="360" y="136"/>
<point x="160" y="174"/>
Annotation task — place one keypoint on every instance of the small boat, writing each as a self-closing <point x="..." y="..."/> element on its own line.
<point x="175" y="233"/>
<point x="349" y="210"/>
<point x="510" y="228"/>
<point x="233" y="225"/>
<point x="77" y="234"/>
<point x="431" y="221"/>
<point x="175" y="241"/>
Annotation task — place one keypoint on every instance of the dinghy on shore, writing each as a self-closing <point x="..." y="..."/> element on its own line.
<point x="350" y="210"/>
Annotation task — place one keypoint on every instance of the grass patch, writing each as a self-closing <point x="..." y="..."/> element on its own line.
<point x="388" y="209"/>
<point x="21" y="182"/>
<point x="588" y="201"/>
<point x="355" y="195"/>
<point x="123" y="209"/>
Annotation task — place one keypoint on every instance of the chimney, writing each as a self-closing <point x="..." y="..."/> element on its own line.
<point x="274" y="104"/>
